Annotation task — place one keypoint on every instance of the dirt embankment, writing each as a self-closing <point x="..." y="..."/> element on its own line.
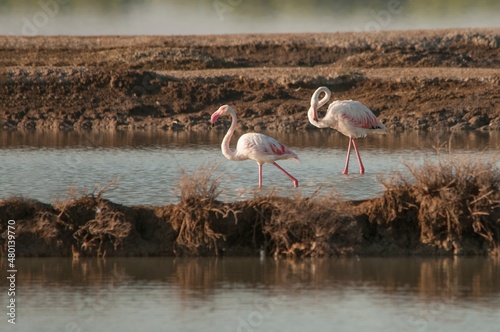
<point x="452" y="208"/>
<point x="422" y="80"/>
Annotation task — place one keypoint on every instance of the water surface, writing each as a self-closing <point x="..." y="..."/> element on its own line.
<point x="249" y="294"/>
<point x="147" y="166"/>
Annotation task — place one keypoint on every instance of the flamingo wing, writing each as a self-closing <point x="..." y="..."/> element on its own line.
<point x="354" y="119"/>
<point x="263" y="149"/>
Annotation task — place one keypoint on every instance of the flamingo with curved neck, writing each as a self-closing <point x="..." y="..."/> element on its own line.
<point x="350" y="117"/>
<point x="255" y="146"/>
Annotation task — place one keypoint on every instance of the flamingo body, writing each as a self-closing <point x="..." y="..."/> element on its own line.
<point x="350" y="117"/>
<point x="255" y="146"/>
<point x="262" y="149"/>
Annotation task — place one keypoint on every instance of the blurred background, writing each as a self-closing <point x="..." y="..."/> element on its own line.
<point x="180" y="17"/>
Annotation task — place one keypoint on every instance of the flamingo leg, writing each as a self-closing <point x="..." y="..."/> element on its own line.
<point x="294" y="180"/>
<point x="346" y="168"/>
<point x="260" y="175"/>
<point x="361" y="167"/>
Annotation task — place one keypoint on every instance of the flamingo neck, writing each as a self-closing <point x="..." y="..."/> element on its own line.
<point x="312" y="117"/>
<point x="316" y="104"/>
<point x="226" y="150"/>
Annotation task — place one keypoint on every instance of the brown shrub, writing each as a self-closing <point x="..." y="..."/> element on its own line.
<point x="101" y="227"/>
<point x="308" y="227"/>
<point x="37" y="228"/>
<point x="109" y="226"/>
<point x="454" y="206"/>
<point x="192" y="218"/>
<point x="459" y="202"/>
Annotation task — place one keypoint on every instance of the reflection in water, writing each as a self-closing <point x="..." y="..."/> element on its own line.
<point x="185" y="139"/>
<point x="231" y="294"/>
<point x="470" y="278"/>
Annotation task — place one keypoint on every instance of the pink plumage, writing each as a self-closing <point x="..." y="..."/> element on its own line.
<point x="349" y="117"/>
<point x="254" y="146"/>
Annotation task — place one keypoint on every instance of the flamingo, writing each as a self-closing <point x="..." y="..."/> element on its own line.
<point x="350" y="117"/>
<point x="254" y="146"/>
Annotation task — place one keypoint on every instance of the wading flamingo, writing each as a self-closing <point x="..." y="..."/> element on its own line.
<point x="255" y="146"/>
<point x="350" y="117"/>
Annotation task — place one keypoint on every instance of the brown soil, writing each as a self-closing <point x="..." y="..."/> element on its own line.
<point x="423" y="80"/>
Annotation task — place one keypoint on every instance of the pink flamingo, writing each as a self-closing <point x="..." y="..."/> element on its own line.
<point x="350" y="117"/>
<point x="255" y="146"/>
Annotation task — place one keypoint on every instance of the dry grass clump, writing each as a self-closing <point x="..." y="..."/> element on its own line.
<point x="97" y="224"/>
<point x="191" y="217"/>
<point x="455" y="203"/>
<point x="109" y="226"/>
<point x="37" y="227"/>
<point x="458" y="198"/>
<point x="307" y="227"/>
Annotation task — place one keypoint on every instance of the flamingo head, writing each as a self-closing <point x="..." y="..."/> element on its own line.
<point x="221" y="111"/>
<point x="313" y="111"/>
<point x="316" y="103"/>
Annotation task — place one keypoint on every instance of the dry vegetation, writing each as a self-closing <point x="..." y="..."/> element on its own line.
<point x="191" y="218"/>
<point x="308" y="226"/>
<point x="445" y="207"/>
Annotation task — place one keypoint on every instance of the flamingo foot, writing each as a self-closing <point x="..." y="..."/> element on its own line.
<point x="294" y="180"/>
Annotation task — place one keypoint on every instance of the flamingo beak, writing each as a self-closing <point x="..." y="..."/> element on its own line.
<point x="314" y="112"/>
<point x="214" y="118"/>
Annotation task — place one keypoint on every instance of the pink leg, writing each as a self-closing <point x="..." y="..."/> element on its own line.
<point x="361" y="167"/>
<point x="260" y="175"/>
<point x="346" y="168"/>
<point x="295" y="181"/>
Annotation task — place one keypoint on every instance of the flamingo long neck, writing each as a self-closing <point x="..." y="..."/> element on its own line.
<point x="226" y="150"/>
<point x="316" y="104"/>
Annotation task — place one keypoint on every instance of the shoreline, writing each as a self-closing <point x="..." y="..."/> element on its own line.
<point x="412" y="80"/>
<point x="449" y="208"/>
<point x="91" y="226"/>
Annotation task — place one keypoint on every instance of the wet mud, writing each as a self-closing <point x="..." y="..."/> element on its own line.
<point x="412" y="80"/>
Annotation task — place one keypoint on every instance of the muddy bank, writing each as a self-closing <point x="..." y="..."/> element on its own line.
<point x="448" y="208"/>
<point x="423" y="80"/>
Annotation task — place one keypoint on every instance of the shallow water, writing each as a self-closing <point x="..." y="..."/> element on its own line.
<point x="147" y="166"/>
<point x="249" y="294"/>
